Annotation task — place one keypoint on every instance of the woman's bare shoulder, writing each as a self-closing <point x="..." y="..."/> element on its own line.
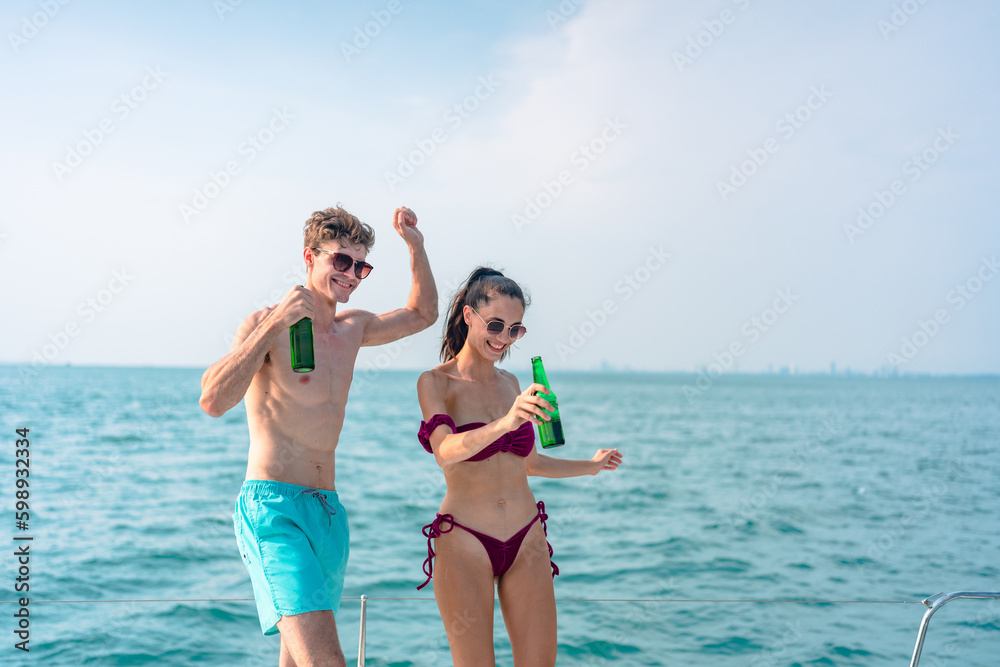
<point x="510" y="379"/>
<point x="436" y="379"/>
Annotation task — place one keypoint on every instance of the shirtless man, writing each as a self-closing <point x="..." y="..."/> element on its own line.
<point x="290" y="526"/>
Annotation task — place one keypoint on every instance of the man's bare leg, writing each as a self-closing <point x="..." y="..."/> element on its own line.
<point x="310" y="640"/>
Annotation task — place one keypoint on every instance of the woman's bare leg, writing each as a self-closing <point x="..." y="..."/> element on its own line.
<point x="463" y="587"/>
<point x="528" y="603"/>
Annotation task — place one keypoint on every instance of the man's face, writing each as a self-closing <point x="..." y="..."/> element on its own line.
<point x="326" y="279"/>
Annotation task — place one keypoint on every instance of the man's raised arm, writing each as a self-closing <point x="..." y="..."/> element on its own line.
<point x="226" y="381"/>
<point x="421" y="308"/>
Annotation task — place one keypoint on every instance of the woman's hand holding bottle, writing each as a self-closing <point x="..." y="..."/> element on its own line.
<point x="527" y="407"/>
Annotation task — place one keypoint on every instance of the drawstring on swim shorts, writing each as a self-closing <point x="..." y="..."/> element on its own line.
<point x="317" y="493"/>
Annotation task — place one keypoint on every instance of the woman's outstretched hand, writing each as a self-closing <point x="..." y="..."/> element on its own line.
<point x="527" y="407"/>
<point x="606" y="459"/>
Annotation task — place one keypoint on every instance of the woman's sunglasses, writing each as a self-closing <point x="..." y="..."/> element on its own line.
<point x="342" y="262"/>
<point x="495" y="327"/>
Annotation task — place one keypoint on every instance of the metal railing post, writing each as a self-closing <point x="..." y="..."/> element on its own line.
<point x="361" y="639"/>
<point x="940" y="601"/>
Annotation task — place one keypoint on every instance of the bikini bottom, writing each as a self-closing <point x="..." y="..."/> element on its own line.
<point x="502" y="554"/>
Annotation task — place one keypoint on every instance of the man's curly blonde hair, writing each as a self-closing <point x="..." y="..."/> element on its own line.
<point x="336" y="224"/>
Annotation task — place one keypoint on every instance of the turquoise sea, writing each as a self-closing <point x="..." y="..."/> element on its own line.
<point x="845" y="500"/>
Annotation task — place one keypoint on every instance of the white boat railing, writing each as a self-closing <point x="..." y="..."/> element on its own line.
<point x="935" y="602"/>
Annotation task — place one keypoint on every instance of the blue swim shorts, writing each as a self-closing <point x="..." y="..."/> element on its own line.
<point x="294" y="541"/>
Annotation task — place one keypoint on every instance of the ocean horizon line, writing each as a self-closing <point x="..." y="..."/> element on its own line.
<point x="605" y="370"/>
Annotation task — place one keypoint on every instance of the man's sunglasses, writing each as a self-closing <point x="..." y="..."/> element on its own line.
<point x="495" y="327"/>
<point x="342" y="262"/>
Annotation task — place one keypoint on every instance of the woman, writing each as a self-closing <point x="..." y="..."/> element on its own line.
<point x="479" y="426"/>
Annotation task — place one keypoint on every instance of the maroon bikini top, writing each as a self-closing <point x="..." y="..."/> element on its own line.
<point x="519" y="441"/>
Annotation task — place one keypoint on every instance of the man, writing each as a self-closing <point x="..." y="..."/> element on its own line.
<point x="290" y="526"/>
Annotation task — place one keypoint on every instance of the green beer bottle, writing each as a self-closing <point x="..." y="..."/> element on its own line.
<point x="549" y="432"/>
<point x="301" y="334"/>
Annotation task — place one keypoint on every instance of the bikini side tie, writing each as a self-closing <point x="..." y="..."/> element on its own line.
<point x="431" y="531"/>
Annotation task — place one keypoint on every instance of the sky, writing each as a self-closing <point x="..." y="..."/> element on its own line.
<point x="730" y="185"/>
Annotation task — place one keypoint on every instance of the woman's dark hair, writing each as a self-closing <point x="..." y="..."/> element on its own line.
<point x="482" y="286"/>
